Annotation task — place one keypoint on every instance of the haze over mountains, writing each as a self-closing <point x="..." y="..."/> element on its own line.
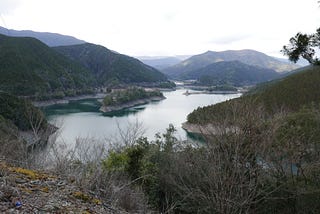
<point x="250" y="57"/>
<point x="50" y="39"/>
<point x="162" y="62"/>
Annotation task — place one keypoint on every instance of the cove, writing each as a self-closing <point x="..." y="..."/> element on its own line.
<point x="82" y="119"/>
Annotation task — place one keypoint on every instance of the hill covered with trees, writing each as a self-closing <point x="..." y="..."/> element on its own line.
<point x="110" y="67"/>
<point x="30" y="68"/>
<point x="290" y="93"/>
<point x="231" y="73"/>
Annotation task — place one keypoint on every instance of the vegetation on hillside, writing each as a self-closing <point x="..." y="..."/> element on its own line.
<point x="260" y="154"/>
<point x="19" y="111"/>
<point x="21" y="126"/>
<point x="265" y="165"/>
<point x="127" y="95"/>
<point x="291" y="93"/>
<point x="232" y="73"/>
<point x="109" y="67"/>
<point x="254" y="160"/>
<point x="30" y="68"/>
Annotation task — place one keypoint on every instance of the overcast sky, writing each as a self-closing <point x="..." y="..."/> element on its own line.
<point x="168" y="27"/>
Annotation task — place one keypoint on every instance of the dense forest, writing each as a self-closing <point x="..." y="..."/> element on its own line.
<point x="127" y="95"/>
<point x="30" y="68"/>
<point x="231" y="72"/>
<point x="291" y="94"/>
<point x="110" y="67"/>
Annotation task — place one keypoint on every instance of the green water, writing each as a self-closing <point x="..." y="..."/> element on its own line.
<point x="82" y="119"/>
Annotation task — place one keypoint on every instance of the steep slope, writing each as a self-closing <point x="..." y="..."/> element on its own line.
<point x="110" y="67"/>
<point x="230" y="72"/>
<point x="50" y="39"/>
<point x="16" y="110"/>
<point x="28" y="67"/>
<point x="21" y="126"/>
<point x="288" y="94"/>
<point x="249" y="57"/>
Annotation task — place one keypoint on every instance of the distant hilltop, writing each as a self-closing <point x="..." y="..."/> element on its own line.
<point x="50" y="39"/>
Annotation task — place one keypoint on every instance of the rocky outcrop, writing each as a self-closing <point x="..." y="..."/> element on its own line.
<point x="29" y="191"/>
<point x="199" y="129"/>
<point x="207" y="129"/>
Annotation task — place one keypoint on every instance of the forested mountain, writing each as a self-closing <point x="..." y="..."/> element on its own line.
<point x="29" y="67"/>
<point x="231" y="73"/>
<point x="288" y="94"/>
<point x="110" y="67"/>
<point x="249" y="57"/>
<point x="50" y="39"/>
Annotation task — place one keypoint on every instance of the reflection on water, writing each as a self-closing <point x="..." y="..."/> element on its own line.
<point x="124" y="112"/>
<point x="83" y="119"/>
<point x="87" y="105"/>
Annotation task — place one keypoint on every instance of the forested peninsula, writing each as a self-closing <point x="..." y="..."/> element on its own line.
<point x="126" y="98"/>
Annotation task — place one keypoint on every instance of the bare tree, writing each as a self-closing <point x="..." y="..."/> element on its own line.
<point x="227" y="174"/>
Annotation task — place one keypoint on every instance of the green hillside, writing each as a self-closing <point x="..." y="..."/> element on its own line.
<point x="289" y="94"/>
<point x="110" y="67"/>
<point x="30" y="68"/>
<point x="22" y="126"/>
<point x="232" y="73"/>
<point x="18" y="111"/>
<point x="249" y="57"/>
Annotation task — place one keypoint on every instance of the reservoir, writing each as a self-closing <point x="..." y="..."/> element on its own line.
<point x="82" y="119"/>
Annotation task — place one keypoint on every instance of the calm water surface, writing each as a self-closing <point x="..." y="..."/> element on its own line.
<point x="83" y="119"/>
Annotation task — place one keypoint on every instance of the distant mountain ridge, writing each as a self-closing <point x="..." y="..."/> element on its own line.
<point x="162" y="62"/>
<point x="231" y="73"/>
<point x="250" y="57"/>
<point x="50" y="39"/>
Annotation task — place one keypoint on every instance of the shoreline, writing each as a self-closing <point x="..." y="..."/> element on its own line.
<point x="106" y="109"/>
<point x="66" y="100"/>
<point x="199" y="129"/>
<point x="187" y="93"/>
<point x="207" y="129"/>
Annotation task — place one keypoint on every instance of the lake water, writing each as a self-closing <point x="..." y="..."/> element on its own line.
<point x="83" y="119"/>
